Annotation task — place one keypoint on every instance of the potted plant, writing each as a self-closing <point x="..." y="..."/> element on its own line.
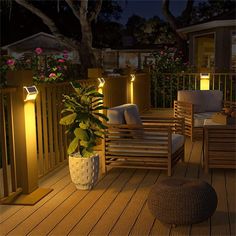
<point x="85" y="128"/>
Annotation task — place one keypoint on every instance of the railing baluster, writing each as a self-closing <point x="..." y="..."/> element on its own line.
<point x="225" y="88"/>
<point x="4" y="146"/>
<point x="12" y="146"/>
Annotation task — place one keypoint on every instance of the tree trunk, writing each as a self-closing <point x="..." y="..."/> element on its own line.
<point x="86" y="52"/>
<point x="175" y="24"/>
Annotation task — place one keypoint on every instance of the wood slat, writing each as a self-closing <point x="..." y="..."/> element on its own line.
<point x="4" y="146"/>
<point x="45" y="130"/>
<point x="50" y="128"/>
<point x="55" y="126"/>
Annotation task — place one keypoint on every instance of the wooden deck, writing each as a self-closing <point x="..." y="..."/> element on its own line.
<point x="117" y="205"/>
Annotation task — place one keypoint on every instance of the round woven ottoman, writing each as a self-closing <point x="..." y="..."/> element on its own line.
<point x="180" y="201"/>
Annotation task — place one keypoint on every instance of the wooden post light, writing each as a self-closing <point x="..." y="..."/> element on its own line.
<point x="24" y="128"/>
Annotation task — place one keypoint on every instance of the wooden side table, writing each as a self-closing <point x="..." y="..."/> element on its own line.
<point x="219" y="146"/>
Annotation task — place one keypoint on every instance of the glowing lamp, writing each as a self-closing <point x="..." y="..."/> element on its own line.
<point x="30" y="93"/>
<point x="132" y="77"/>
<point x="101" y="82"/>
<point x="204" y="81"/>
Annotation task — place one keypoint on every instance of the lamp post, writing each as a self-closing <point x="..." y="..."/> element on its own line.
<point x="204" y="81"/>
<point x="31" y="180"/>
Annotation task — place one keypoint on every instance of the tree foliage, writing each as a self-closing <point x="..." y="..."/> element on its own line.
<point x="72" y="22"/>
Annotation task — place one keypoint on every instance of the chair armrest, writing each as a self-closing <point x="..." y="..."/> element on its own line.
<point x="184" y="110"/>
<point x="176" y="124"/>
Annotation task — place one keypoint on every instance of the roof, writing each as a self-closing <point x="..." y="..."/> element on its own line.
<point x="224" y="20"/>
<point x="48" y="42"/>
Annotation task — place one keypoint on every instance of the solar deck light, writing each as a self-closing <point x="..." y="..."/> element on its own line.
<point x="101" y="82"/>
<point x="132" y="77"/>
<point x="204" y="81"/>
<point x="132" y="88"/>
<point x="30" y="93"/>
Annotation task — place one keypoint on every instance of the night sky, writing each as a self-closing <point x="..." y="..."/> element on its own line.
<point x="149" y="8"/>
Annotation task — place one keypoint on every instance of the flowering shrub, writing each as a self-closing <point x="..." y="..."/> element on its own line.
<point x="169" y="60"/>
<point x="166" y="69"/>
<point x="46" y="68"/>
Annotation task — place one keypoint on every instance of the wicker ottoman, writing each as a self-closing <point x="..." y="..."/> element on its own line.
<point x="180" y="201"/>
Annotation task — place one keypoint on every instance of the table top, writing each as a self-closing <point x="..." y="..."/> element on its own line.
<point x="210" y="122"/>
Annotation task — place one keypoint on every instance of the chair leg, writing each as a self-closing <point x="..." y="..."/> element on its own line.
<point x="169" y="171"/>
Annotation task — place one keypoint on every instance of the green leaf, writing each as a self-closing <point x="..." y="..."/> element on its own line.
<point x="99" y="108"/>
<point x="73" y="145"/>
<point x="84" y="143"/>
<point x="101" y="115"/>
<point x="86" y="153"/>
<point x="81" y="134"/>
<point x="69" y="119"/>
<point x="67" y="110"/>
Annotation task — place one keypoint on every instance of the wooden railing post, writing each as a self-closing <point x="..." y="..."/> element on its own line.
<point x="24" y="128"/>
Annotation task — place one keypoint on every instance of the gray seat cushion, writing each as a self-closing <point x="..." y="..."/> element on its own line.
<point x="200" y="117"/>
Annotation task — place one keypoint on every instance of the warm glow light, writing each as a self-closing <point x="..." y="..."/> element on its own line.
<point x="204" y="81"/>
<point x="101" y="82"/>
<point x="132" y="77"/>
<point x="31" y="92"/>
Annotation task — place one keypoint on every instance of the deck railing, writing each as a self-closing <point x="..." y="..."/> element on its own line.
<point x="164" y="87"/>
<point x="7" y="146"/>
<point x="51" y="139"/>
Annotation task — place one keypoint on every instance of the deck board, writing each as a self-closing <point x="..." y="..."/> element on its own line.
<point x="113" y="214"/>
<point x="117" y="204"/>
<point x="220" y="220"/>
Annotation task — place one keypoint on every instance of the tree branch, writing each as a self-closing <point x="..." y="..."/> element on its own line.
<point x="174" y="23"/>
<point x="168" y="15"/>
<point x="49" y="23"/>
<point x="186" y="14"/>
<point x="73" y="7"/>
<point x="95" y="12"/>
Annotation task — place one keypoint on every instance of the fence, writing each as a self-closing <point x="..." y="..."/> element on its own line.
<point x="7" y="147"/>
<point x="120" y="90"/>
<point x="164" y="87"/>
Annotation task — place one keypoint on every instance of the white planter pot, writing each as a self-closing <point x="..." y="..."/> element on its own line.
<point x="84" y="171"/>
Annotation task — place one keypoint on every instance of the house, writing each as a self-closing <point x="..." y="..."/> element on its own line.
<point x="212" y="44"/>
<point x="49" y="43"/>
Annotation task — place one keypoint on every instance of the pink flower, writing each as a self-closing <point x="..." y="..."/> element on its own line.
<point x="161" y="52"/>
<point x="61" y="60"/>
<point x="38" y="50"/>
<point x="52" y="75"/>
<point x="10" y="62"/>
<point x="65" y="54"/>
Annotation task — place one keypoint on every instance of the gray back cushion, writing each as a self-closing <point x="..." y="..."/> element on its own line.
<point x="131" y="115"/>
<point x="203" y="100"/>
<point x="116" y="114"/>
<point x="213" y="100"/>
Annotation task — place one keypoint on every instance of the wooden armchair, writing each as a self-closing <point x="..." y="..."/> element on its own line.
<point x="154" y="144"/>
<point x="196" y="106"/>
<point x="219" y="147"/>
